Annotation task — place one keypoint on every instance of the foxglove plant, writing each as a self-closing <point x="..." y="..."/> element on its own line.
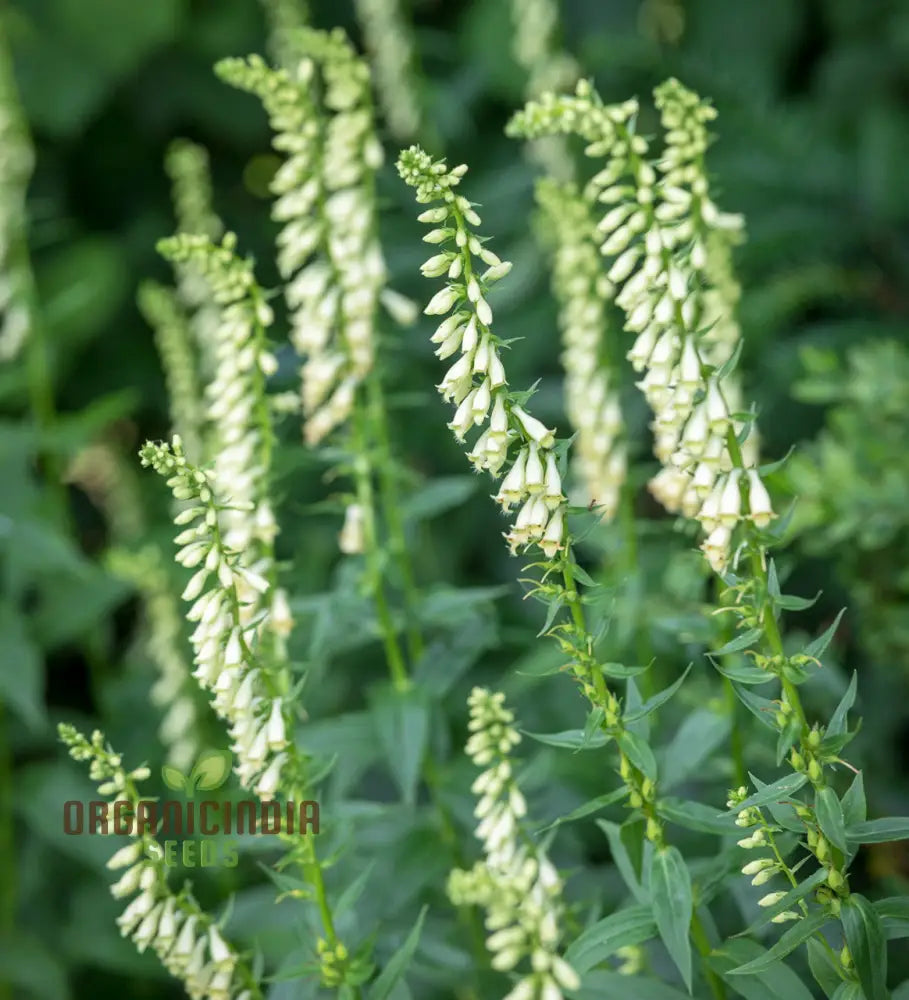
<point x="516" y="883"/>
<point x="185" y="938"/>
<point x="659" y="233"/>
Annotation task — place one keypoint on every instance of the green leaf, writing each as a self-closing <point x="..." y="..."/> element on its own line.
<point x="175" y="779"/>
<point x="867" y="945"/>
<point x="818" y="647"/>
<point x="211" y="771"/>
<point x="762" y="709"/>
<point x="739" y="643"/>
<point x="603" y="985"/>
<point x="695" y="816"/>
<point x="849" y="991"/>
<point x="879" y="831"/>
<point x="778" y="982"/>
<point x="570" y="739"/>
<point x="401" y="719"/>
<point x="701" y="733"/>
<point x="652" y="704"/>
<point x="894" y="914"/>
<point x="631" y="926"/>
<point x="829" y="813"/>
<point x="823" y="968"/>
<point x="438" y="496"/>
<point x="620" y="671"/>
<point x="622" y="859"/>
<point x="790" y="602"/>
<point x="633" y="840"/>
<point x="743" y="673"/>
<point x="398" y="963"/>
<point x="838" y="719"/>
<point x="639" y="753"/>
<point x="594" y="805"/>
<point x="794" y="936"/>
<point x="21" y="670"/>
<point x="855" y="808"/>
<point x="776" y="792"/>
<point x="783" y="813"/>
<point x="671" y="898"/>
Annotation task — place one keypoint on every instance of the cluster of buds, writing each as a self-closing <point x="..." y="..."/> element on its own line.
<point x="185" y="939"/>
<point x="229" y="656"/>
<point x="518" y="887"/>
<point x="591" y="382"/>
<point x="328" y="250"/>
<point x="761" y="870"/>
<point x="476" y="383"/>
<point x="655" y="234"/>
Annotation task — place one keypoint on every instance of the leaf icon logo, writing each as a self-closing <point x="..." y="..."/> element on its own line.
<point x="210" y="771"/>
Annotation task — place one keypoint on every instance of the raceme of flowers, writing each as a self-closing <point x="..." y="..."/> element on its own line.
<point x="658" y="261"/>
<point x="16" y="163"/>
<point x="237" y="408"/>
<point x="515" y="883"/>
<point x="328" y="249"/>
<point x="186" y="940"/>
<point x="591" y="382"/>
<point x="389" y="42"/>
<point x="229" y="653"/>
<point x="476" y="383"/>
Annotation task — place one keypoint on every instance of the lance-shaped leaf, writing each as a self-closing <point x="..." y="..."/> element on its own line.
<point x="652" y="704"/>
<point x="829" y="814"/>
<point x="867" y="944"/>
<point x="797" y="933"/>
<point x="879" y="831"/>
<point x="672" y="901"/>
<point x="631" y="926"/>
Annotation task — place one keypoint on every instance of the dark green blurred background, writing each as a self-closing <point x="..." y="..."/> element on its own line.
<point x="813" y="101"/>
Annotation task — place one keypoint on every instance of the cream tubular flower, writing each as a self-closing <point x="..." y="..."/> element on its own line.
<point x="476" y="381"/>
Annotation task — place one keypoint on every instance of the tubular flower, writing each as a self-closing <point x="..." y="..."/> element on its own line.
<point x="591" y="396"/>
<point x="328" y="249"/>
<point x="184" y="937"/>
<point x="668" y="246"/>
<point x="232" y="660"/>
<point x="516" y="884"/>
<point x="476" y="382"/>
<point x="236" y="401"/>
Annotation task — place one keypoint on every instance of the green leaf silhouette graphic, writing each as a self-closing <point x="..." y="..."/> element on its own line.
<point x="211" y="770"/>
<point x="174" y="779"/>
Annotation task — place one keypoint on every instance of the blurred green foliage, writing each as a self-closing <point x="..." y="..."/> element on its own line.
<point x="814" y="141"/>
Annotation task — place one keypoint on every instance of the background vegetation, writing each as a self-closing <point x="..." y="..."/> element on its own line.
<point x="813" y="102"/>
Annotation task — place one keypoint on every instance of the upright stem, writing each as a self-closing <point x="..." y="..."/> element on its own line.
<point x="390" y="501"/>
<point x="366" y="501"/>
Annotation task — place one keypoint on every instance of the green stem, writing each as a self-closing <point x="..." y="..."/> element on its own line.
<point x="390" y="501"/>
<point x="702" y="943"/>
<point x="366" y="501"/>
